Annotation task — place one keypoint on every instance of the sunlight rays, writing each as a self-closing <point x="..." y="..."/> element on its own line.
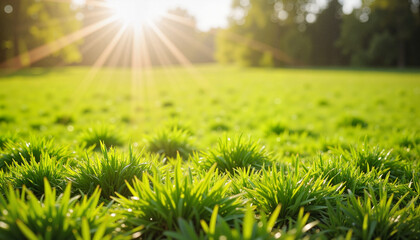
<point x="197" y="45"/>
<point x="97" y="66"/>
<point x="256" y="45"/>
<point x="137" y="36"/>
<point x="183" y="60"/>
<point x="46" y="50"/>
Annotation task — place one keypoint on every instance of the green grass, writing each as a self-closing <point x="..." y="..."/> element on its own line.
<point x="94" y="137"/>
<point x="32" y="174"/>
<point x="159" y="206"/>
<point x="171" y="143"/>
<point x="110" y="171"/>
<point x="234" y="153"/>
<point x="54" y="217"/>
<point x="20" y="151"/>
<point x="226" y="153"/>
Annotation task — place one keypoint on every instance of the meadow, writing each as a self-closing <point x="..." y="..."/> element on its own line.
<point x="209" y="152"/>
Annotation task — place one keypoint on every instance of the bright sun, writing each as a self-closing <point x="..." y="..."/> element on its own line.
<point x="135" y="13"/>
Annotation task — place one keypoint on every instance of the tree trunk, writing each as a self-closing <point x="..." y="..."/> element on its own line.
<point x="16" y="25"/>
<point x="401" y="54"/>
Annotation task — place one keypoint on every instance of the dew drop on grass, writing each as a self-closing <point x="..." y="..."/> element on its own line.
<point x="277" y="235"/>
<point x="3" y="225"/>
<point x="136" y="235"/>
<point x="135" y="198"/>
<point x="129" y="210"/>
<point x="113" y="214"/>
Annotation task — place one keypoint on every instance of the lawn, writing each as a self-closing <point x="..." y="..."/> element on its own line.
<point x="208" y="152"/>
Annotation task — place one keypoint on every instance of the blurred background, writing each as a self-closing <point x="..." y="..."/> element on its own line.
<point x="264" y="33"/>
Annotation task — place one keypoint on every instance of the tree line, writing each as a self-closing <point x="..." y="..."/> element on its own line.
<point x="266" y="33"/>
<point x="379" y="33"/>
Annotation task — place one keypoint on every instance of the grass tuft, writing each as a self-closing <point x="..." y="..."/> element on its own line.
<point x="5" y="138"/>
<point x="107" y="135"/>
<point x="6" y="119"/>
<point x="219" y="126"/>
<point x="218" y="228"/>
<point x="160" y="201"/>
<point x="338" y="170"/>
<point x="32" y="175"/>
<point x="276" y="128"/>
<point x="353" y="121"/>
<point x="374" y="217"/>
<point x="64" y="120"/>
<point x="368" y="158"/>
<point x="110" y="172"/>
<point x="170" y="143"/>
<point x="287" y="187"/>
<point x="235" y="153"/>
<point x="25" y="217"/>
<point x="19" y="151"/>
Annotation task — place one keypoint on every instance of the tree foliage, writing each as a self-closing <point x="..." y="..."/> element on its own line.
<point x="27" y="24"/>
<point x="379" y="33"/>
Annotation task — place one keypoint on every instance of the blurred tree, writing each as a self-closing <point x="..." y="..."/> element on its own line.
<point x="324" y="33"/>
<point x="382" y="33"/>
<point x="26" y="24"/>
<point x="251" y="22"/>
<point x="279" y="24"/>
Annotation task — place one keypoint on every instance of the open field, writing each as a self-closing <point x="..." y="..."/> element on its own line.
<point x="339" y="145"/>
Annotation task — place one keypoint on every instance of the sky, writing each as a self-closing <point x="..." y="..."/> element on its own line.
<point x="214" y="13"/>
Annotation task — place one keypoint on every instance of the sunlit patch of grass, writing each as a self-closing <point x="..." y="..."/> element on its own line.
<point x="105" y="134"/>
<point x="292" y="190"/>
<point x="263" y="228"/>
<point x="110" y="171"/>
<point x="36" y="148"/>
<point x="374" y="217"/>
<point x="353" y="121"/>
<point x="25" y="217"/>
<point x="32" y="174"/>
<point x="235" y="153"/>
<point x="160" y="201"/>
<point x="170" y="143"/>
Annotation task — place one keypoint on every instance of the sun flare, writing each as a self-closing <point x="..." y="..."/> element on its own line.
<point x="135" y="13"/>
